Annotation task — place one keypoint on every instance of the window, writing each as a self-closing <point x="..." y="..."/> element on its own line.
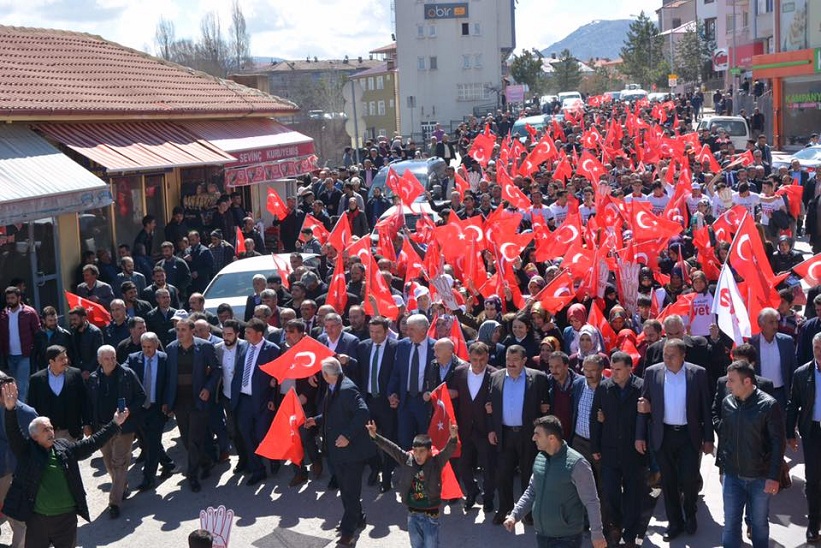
<point x="420" y="63"/>
<point x="372" y="108"/>
<point x="432" y="31"/>
<point x="745" y="19"/>
<point x="477" y="61"/>
<point x="380" y="82"/>
<point x="472" y="92"/>
<point x="765" y="6"/>
<point x="466" y="61"/>
<point x="370" y="83"/>
<point x="710" y="29"/>
<point x="465" y="29"/>
<point x="477" y="29"/>
<point x="434" y="64"/>
<point x="420" y="31"/>
<point x="380" y="108"/>
<point x="391" y="104"/>
<point x="676" y="22"/>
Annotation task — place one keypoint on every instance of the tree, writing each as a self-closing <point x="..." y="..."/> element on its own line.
<point x="164" y="38"/>
<point x="642" y="52"/>
<point x="240" y="39"/>
<point x="567" y="74"/>
<point x="600" y="81"/>
<point x="212" y="48"/>
<point x="527" y="69"/>
<point x="694" y="54"/>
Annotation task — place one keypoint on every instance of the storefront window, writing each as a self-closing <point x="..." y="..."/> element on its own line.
<point x="28" y="255"/>
<point x="801" y="114"/>
<point x="128" y="209"/>
<point x="95" y="230"/>
<point x="201" y="188"/>
<point x="155" y="203"/>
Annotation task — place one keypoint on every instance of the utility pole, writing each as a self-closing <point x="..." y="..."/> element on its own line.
<point x="733" y="61"/>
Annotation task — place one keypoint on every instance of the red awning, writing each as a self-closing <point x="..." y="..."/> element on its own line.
<point x="137" y="146"/>
<point x="265" y="149"/>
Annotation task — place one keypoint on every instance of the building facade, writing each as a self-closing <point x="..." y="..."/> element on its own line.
<point x="450" y="58"/>
<point x="376" y="97"/>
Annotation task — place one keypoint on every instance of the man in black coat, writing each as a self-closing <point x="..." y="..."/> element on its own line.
<point x="45" y="458"/>
<point x="177" y="272"/>
<point x="86" y="338"/>
<point x="50" y="333"/>
<point x="200" y="262"/>
<point x="69" y="409"/>
<point x="343" y="419"/>
<point x="290" y="225"/>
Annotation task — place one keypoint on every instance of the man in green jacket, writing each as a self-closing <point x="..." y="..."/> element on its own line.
<point x="418" y="479"/>
<point x="561" y="489"/>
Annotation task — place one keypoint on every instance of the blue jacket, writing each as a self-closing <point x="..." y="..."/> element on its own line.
<point x="207" y="373"/>
<point x="261" y="390"/>
<point x="399" y="376"/>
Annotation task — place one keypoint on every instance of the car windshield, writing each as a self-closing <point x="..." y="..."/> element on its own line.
<point x="734" y="128"/>
<point x="234" y="284"/>
<point x="808" y="154"/>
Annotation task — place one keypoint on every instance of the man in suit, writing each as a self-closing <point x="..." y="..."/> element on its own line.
<point x="698" y="351"/>
<point x="200" y="262"/>
<point x="776" y="355"/>
<point x="472" y="385"/>
<point x="343" y="419"/>
<point x="343" y="344"/>
<point x="231" y="354"/>
<point x="443" y="367"/>
<point x="93" y="289"/>
<point x="804" y="411"/>
<point x="128" y="274"/>
<point x="50" y="333"/>
<point x="414" y="355"/>
<point x="158" y="320"/>
<point x="518" y="396"/>
<point x="59" y="393"/>
<point x="376" y="357"/>
<point x="259" y="284"/>
<point x="253" y="394"/>
<point x="612" y="441"/>
<point x="676" y="400"/>
<point x="193" y="373"/>
<point x="151" y="367"/>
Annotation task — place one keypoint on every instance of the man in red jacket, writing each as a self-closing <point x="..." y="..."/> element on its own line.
<point x="18" y="325"/>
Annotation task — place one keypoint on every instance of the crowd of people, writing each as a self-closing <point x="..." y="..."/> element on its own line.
<point x="567" y="290"/>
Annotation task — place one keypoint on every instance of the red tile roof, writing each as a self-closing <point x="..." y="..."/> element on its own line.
<point x="45" y="72"/>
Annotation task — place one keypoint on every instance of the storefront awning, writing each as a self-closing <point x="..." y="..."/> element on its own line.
<point x="137" y="146"/>
<point x="38" y="181"/>
<point x="265" y="150"/>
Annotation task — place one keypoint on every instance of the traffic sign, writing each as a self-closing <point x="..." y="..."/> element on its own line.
<point x="672" y="80"/>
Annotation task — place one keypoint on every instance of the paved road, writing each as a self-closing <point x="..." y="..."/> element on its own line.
<point x="273" y="515"/>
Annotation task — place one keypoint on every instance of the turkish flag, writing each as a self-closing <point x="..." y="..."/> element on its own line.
<point x="578" y="259"/>
<point x="320" y="232"/>
<point x="96" y="313"/>
<point x="676" y="209"/>
<point x="443" y="416"/>
<point x="556" y="129"/>
<point x="629" y="347"/>
<point x="793" y="194"/>
<point x="706" y="254"/>
<point x="377" y="287"/>
<point x="457" y="337"/>
<point x="728" y="306"/>
<point x="407" y="187"/>
<point x="706" y="155"/>
<point x="728" y="222"/>
<point x="283" y="442"/>
<point x="750" y="260"/>
<point x="513" y="245"/>
<point x="596" y="319"/>
<point x="412" y="261"/>
<point x="808" y="270"/>
<point x="453" y="237"/>
<point x="360" y="248"/>
<point x="558" y="293"/>
<point x="284" y="269"/>
<point x="340" y="236"/>
<point x="275" y="205"/>
<point x="563" y="170"/>
<point x="462" y="185"/>
<point x="510" y="192"/>
<point x="338" y="288"/>
<point x="591" y="138"/>
<point x="482" y="148"/>
<point x="300" y="361"/>
<point x="562" y="238"/>
<point x="240" y="242"/>
<point x="544" y="151"/>
<point x="680" y="307"/>
<point x="590" y="167"/>
<point x="647" y="226"/>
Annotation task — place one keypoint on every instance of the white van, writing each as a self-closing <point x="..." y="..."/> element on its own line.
<point x="569" y="95"/>
<point x="736" y="128"/>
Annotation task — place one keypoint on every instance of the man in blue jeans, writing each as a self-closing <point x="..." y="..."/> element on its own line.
<point x="19" y="323"/>
<point x="751" y="445"/>
<point x="418" y="478"/>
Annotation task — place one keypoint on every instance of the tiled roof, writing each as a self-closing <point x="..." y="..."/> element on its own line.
<point x="379" y="69"/>
<point x="55" y="72"/>
<point x="320" y="65"/>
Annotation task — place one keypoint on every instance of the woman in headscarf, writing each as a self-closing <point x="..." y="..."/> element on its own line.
<point x="576" y="318"/>
<point x="543" y="323"/>
<point x="589" y="344"/>
<point x="618" y="318"/>
<point x="547" y="346"/>
<point x="521" y="333"/>
<point x="490" y="333"/>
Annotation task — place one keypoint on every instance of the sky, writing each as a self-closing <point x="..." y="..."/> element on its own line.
<point x="295" y="29"/>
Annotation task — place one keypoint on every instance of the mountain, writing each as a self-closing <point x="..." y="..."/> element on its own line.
<point x="602" y="39"/>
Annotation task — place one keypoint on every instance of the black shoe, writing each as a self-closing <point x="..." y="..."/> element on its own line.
<point x="275" y="465"/>
<point x="671" y="533"/>
<point x="195" y="485"/>
<point x="206" y="471"/>
<point x="256" y="478"/>
<point x="333" y="485"/>
<point x="363" y="521"/>
<point x="488" y="507"/>
<point x="691" y="526"/>
<point x="470" y="500"/>
<point x="126" y="492"/>
<point x="499" y="518"/>
<point x="146" y="485"/>
<point x="373" y="477"/>
<point x="167" y="469"/>
<point x="812" y="535"/>
<point x="113" y="511"/>
<point x="240" y="468"/>
<point x="141" y="457"/>
<point x="384" y="488"/>
<point x="300" y="478"/>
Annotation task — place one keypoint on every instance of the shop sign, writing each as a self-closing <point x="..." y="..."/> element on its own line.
<point x="721" y="60"/>
<point x="446" y="11"/>
<point x="270" y="171"/>
<point x="803" y="100"/>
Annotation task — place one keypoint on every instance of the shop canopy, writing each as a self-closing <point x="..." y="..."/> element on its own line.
<point x="37" y="180"/>
<point x="265" y="150"/>
<point x="136" y="146"/>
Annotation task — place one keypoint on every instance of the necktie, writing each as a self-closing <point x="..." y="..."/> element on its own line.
<point x="413" y="387"/>
<point x="375" y="371"/>
<point x="147" y="382"/>
<point x="249" y="365"/>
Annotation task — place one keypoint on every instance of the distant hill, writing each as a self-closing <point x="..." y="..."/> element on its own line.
<point x="603" y="39"/>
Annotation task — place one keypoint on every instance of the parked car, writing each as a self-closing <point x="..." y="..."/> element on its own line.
<point x="232" y="284"/>
<point x="539" y="121"/>
<point x="563" y="95"/>
<point x="429" y="172"/>
<point x="411" y="216"/>
<point x="614" y="95"/>
<point x="809" y="158"/>
<point x="632" y="95"/>
<point x="736" y="127"/>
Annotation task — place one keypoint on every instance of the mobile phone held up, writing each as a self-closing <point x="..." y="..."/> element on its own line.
<point x="120" y="405"/>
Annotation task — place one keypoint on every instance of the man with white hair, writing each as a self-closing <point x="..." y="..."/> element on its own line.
<point x="406" y="387"/>
<point x="776" y="355"/>
<point x="109" y="387"/>
<point x="343" y="416"/>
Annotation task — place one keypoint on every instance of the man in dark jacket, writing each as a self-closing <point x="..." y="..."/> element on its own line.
<point x="50" y="333"/>
<point x="200" y="262"/>
<point x="59" y="393"/>
<point x="751" y="442"/>
<point x="86" y="338"/>
<point x="107" y="386"/>
<point x="47" y="490"/>
<point x="343" y="419"/>
<point x="177" y="272"/>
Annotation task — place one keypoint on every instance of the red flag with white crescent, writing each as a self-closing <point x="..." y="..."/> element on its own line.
<point x="300" y="361"/>
<point x="283" y="440"/>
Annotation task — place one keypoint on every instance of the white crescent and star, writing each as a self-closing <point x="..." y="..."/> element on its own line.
<point x="744" y="238"/>
<point x="811" y="270"/>
<point x="639" y="216"/>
